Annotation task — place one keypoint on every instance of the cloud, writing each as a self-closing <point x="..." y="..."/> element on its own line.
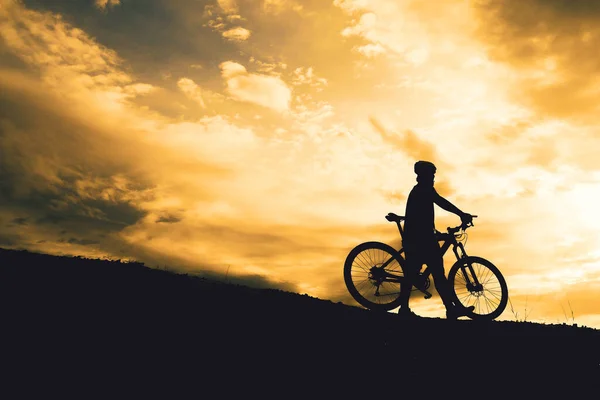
<point x="230" y="69"/>
<point x="370" y="50"/>
<point x="190" y="89"/>
<point x="408" y="143"/>
<point x="278" y="6"/>
<point x="83" y="242"/>
<point x="169" y="219"/>
<point x="237" y="34"/>
<point x="83" y="187"/>
<point x="19" y="221"/>
<point x="307" y="76"/>
<point x="103" y="4"/>
<point x="47" y="158"/>
<point x="551" y="44"/>
<point x="67" y="58"/>
<point x="228" y="6"/>
<point x="352" y="6"/>
<point x="414" y="148"/>
<point x="378" y="26"/>
<point x="78" y="158"/>
<point x="266" y="91"/>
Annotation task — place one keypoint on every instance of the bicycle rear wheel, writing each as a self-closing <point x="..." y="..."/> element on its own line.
<point x="371" y="273"/>
<point x="475" y="281"/>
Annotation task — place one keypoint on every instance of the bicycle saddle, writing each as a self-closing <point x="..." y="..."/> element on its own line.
<point x="394" y="217"/>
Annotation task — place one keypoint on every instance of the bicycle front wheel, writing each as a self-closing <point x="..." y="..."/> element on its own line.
<point x="372" y="273"/>
<point x="474" y="281"/>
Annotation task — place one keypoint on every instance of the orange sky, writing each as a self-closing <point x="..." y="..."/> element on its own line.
<point x="265" y="139"/>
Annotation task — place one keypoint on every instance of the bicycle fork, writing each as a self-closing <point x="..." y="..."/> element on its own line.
<point x="473" y="284"/>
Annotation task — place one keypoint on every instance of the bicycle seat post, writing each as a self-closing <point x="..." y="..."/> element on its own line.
<point x="397" y="219"/>
<point x="400" y="229"/>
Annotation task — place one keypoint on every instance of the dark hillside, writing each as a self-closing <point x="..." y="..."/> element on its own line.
<point x="96" y="325"/>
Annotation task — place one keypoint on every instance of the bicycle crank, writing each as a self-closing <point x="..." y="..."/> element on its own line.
<point x="422" y="284"/>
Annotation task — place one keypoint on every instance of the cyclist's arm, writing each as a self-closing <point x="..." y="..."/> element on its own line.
<point x="446" y="205"/>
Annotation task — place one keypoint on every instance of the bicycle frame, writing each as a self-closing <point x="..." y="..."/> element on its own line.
<point x="448" y="239"/>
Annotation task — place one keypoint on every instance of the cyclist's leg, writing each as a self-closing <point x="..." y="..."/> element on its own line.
<point x="435" y="262"/>
<point x="413" y="258"/>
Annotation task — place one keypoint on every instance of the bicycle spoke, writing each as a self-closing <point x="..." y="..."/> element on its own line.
<point x="389" y="294"/>
<point x="365" y="268"/>
<point x="488" y="274"/>
<point x="363" y="258"/>
<point x="489" y="303"/>
<point x="461" y="276"/>
<point x="499" y="298"/>
<point x="468" y="295"/>
<point x="372" y="256"/>
<point x="365" y="265"/>
<point x="493" y="305"/>
<point x="363" y="284"/>
<point x="372" y="273"/>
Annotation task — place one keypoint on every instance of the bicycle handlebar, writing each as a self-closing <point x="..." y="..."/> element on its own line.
<point x="462" y="226"/>
<point x="394" y="217"/>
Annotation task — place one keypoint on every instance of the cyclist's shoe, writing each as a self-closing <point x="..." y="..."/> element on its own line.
<point x="458" y="311"/>
<point x="407" y="314"/>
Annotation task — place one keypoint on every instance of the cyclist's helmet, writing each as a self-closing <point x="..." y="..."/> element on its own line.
<point x="424" y="168"/>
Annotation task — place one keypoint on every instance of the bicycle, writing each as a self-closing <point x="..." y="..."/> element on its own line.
<point x="373" y="274"/>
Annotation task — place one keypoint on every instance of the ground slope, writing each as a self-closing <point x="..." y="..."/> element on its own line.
<point x="99" y="325"/>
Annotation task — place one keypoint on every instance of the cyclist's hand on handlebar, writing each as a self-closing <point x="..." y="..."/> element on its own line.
<point x="391" y="217"/>
<point x="467" y="219"/>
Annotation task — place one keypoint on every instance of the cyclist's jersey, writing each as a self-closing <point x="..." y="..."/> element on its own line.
<point x="419" y="226"/>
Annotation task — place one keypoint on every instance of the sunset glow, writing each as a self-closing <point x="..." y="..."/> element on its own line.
<point x="264" y="139"/>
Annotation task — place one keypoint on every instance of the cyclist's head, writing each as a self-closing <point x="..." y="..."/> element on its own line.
<point x="424" y="168"/>
<point x="425" y="171"/>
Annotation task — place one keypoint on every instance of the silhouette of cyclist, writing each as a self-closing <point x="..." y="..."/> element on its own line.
<point x="420" y="240"/>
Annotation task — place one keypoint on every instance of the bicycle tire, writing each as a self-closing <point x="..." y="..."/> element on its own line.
<point x="359" y="281"/>
<point x="491" y="301"/>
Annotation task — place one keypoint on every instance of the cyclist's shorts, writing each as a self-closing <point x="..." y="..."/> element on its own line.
<point x="423" y="251"/>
